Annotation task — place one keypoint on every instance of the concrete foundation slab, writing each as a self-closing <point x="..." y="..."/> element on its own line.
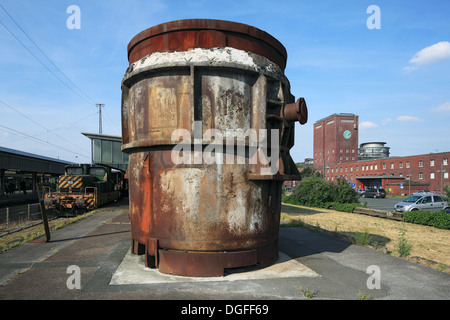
<point x="132" y="271"/>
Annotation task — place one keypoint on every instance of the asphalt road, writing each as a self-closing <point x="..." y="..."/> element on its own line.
<point x="331" y="268"/>
<point x="386" y="204"/>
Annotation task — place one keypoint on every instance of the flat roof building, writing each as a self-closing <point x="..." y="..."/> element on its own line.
<point x="106" y="150"/>
<point x="398" y="175"/>
<point x="336" y="155"/>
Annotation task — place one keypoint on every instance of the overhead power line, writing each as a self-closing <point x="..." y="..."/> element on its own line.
<point x="81" y="93"/>
<point x="38" y="124"/>
<point x="57" y="73"/>
<point x="42" y="141"/>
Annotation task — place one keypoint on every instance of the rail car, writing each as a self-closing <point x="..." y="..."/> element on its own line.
<point x="82" y="188"/>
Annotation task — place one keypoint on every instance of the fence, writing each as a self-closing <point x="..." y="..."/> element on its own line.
<point x="19" y="214"/>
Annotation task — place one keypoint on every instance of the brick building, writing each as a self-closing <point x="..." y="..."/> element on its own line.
<point x="335" y="140"/>
<point x="399" y="175"/>
<point x="336" y="155"/>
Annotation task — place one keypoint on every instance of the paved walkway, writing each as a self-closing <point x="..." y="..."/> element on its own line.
<point x="311" y="261"/>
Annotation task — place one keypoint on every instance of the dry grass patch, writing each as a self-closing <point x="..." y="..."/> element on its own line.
<point x="429" y="244"/>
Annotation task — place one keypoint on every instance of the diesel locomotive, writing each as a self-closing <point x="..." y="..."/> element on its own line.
<point x="83" y="187"/>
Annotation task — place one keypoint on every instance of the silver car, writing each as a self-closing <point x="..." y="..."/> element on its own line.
<point x="430" y="202"/>
<point x="421" y="193"/>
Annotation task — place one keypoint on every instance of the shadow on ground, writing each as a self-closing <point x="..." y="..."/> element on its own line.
<point x="292" y="210"/>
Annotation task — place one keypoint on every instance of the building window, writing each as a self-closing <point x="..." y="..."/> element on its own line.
<point x="431" y="175"/>
<point x="371" y="167"/>
<point x="432" y="163"/>
<point x="376" y="167"/>
<point x="384" y="165"/>
<point x="407" y="164"/>
<point x="401" y="165"/>
<point x="445" y="161"/>
<point x="392" y="166"/>
<point x="420" y="175"/>
<point x="420" y="163"/>
<point x="445" y="175"/>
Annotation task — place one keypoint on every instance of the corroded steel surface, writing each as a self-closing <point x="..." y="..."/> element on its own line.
<point x="183" y="35"/>
<point x="217" y="208"/>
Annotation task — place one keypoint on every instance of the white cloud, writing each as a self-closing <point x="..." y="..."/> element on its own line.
<point x="445" y="107"/>
<point x="409" y="119"/>
<point x="435" y="53"/>
<point x="385" y="121"/>
<point x="367" y="125"/>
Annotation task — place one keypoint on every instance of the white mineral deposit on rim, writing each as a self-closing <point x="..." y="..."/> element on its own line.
<point x="199" y="55"/>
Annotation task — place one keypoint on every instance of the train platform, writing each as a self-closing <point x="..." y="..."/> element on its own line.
<point x="18" y="198"/>
<point x="91" y="260"/>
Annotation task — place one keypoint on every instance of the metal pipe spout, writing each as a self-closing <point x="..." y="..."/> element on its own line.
<point x="296" y="111"/>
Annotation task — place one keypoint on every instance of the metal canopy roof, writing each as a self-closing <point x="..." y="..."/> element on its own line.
<point x="11" y="159"/>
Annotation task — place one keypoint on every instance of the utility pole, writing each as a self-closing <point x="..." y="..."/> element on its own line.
<point x="409" y="182"/>
<point x="100" y="106"/>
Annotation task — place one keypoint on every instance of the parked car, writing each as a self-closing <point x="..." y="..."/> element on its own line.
<point x="360" y="191"/>
<point x="430" y="202"/>
<point x="374" y="193"/>
<point x="421" y="193"/>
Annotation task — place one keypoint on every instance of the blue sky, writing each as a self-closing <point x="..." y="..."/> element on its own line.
<point x="396" y="78"/>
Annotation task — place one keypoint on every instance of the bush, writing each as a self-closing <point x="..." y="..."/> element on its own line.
<point x="447" y="189"/>
<point x="314" y="192"/>
<point x="439" y="219"/>
<point x="288" y="199"/>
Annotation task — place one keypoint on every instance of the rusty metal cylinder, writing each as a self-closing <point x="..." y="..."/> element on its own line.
<point x="208" y="121"/>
